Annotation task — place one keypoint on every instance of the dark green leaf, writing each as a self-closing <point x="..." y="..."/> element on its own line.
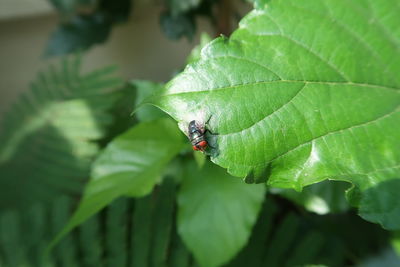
<point x="153" y="224"/>
<point x="66" y="251"/>
<point x="301" y="92"/>
<point x="162" y="223"/>
<point x="216" y="213"/>
<point x="80" y="33"/>
<point x="141" y="236"/>
<point x="116" y="231"/>
<point x="90" y="240"/>
<point x="284" y="238"/>
<point x="175" y="27"/>
<point x="85" y="23"/>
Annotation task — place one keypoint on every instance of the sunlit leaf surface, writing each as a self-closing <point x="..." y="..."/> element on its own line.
<point x="301" y="92"/>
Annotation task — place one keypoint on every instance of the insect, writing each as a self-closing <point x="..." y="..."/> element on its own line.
<point x="197" y="137"/>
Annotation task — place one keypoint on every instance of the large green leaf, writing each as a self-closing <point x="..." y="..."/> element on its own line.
<point x="303" y="91"/>
<point x="130" y="165"/>
<point x="216" y="213"/>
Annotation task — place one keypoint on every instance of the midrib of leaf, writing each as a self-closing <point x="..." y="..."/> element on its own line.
<point x="240" y="131"/>
<point x="207" y="91"/>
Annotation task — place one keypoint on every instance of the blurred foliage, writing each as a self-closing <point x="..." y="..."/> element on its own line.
<point x="85" y="23"/>
<point x="48" y="134"/>
<point x="179" y="19"/>
<point x="130" y="165"/>
<point x="175" y="27"/>
<point x="143" y="232"/>
<point x="321" y="198"/>
<point x="283" y="237"/>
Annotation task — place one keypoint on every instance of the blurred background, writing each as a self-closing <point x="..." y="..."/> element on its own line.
<point x="137" y="46"/>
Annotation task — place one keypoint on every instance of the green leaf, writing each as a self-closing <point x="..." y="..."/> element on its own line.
<point x="79" y="34"/>
<point x="143" y="90"/>
<point x="130" y="165"/>
<point x="216" y="213"/>
<point x="301" y="92"/>
<point x="175" y="27"/>
<point x="51" y="131"/>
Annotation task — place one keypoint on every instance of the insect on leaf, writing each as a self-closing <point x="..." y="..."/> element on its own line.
<point x="304" y="91"/>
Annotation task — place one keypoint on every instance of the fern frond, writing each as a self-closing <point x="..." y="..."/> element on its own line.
<point x="49" y="134"/>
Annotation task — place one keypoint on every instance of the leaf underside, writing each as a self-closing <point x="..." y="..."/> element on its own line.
<point x="303" y="91"/>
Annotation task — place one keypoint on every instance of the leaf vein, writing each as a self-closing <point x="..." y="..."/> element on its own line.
<point x="268" y="115"/>
<point x="296" y="42"/>
<point x="336" y="131"/>
<point x="289" y="81"/>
